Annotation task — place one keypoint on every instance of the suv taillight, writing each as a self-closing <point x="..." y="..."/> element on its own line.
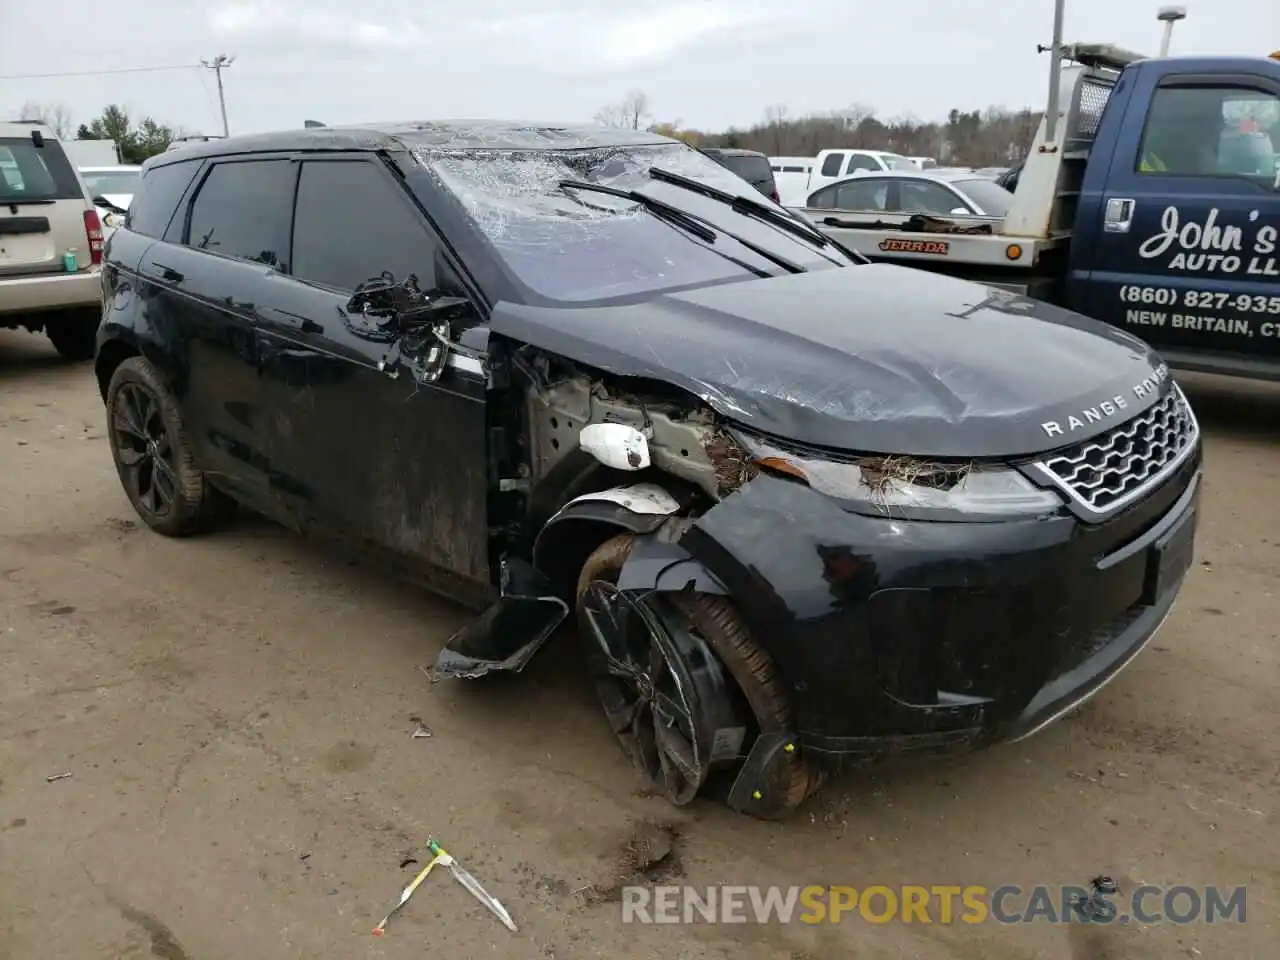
<point x="93" y="230"/>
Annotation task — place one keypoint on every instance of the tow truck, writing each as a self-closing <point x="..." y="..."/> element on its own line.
<point x="1149" y="199"/>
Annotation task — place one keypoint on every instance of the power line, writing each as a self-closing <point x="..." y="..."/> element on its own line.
<point x="99" y="73"/>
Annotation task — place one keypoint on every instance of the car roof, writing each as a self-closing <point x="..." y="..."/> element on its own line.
<point x="116" y="168"/>
<point x="423" y="135"/>
<point x="733" y="152"/>
<point x="23" y="128"/>
<point x="946" y="176"/>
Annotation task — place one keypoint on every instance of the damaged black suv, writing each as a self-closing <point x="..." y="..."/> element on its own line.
<point x="804" y="508"/>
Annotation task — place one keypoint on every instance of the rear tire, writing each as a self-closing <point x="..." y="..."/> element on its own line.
<point x="75" y="334"/>
<point x="153" y="456"/>
<point x="715" y="621"/>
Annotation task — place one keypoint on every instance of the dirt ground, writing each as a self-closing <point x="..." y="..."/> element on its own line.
<point x="235" y="713"/>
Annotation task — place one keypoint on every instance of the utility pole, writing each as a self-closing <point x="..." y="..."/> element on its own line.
<point x="217" y="65"/>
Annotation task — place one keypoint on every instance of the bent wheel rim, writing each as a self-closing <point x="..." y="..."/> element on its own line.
<point x="143" y="450"/>
<point x="648" y="691"/>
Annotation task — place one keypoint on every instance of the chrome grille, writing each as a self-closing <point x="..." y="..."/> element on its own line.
<point x="1108" y="472"/>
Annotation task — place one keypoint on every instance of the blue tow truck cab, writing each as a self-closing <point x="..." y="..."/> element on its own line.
<point x="1150" y="199"/>
<point x="1177" y="235"/>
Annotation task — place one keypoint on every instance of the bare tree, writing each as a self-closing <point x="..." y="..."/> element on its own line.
<point x="631" y="112"/>
<point x="56" y="116"/>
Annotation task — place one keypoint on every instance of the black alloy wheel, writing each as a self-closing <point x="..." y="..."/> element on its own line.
<point x="153" y="456"/>
<point x="686" y="689"/>
<point x="663" y="695"/>
<point x="144" y="452"/>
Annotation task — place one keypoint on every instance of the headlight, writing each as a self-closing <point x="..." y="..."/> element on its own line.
<point x="902" y="485"/>
<point x="113" y="220"/>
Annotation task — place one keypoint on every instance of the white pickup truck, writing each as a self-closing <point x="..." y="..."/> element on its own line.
<point x="797" y="177"/>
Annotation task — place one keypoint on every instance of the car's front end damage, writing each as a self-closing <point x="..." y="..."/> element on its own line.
<point x="905" y="603"/>
<point x="822" y="514"/>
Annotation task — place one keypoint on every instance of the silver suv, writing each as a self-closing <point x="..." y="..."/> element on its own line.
<point x="50" y="242"/>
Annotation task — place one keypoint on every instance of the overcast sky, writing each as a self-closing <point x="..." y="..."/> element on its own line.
<point x="706" y="63"/>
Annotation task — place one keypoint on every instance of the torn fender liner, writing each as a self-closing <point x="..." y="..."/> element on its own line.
<point x="509" y="633"/>
<point x="640" y="508"/>
<point x="658" y="563"/>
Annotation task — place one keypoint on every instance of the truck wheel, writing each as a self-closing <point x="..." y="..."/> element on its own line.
<point x="74" y="335"/>
<point x="153" y="456"/>
<point x="668" y="669"/>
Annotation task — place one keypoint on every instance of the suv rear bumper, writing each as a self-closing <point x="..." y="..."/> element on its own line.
<point x="51" y="291"/>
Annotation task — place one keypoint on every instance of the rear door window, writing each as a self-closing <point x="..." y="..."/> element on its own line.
<point x="860" y="194"/>
<point x="34" y="174"/>
<point x="751" y="168"/>
<point x="352" y="223"/>
<point x="242" y="210"/>
<point x="159" y="191"/>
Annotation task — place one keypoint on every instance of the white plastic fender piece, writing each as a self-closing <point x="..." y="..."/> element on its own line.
<point x="616" y="445"/>
<point x="638" y="498"/>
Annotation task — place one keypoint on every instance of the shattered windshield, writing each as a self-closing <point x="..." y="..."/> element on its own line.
<point x="576" y="246"/>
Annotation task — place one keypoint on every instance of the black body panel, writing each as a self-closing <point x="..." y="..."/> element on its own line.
<point x="875" y="359"/>
<point x="895" y="635"/>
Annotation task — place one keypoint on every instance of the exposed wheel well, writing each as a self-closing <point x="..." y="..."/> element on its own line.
<point x="564" y="548"/>
<point x="112" y="354"/>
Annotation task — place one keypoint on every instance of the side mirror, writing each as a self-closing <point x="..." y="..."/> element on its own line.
<point x="416" y="324"/>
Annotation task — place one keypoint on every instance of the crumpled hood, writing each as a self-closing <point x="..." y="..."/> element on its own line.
<point x="875" y="358"/>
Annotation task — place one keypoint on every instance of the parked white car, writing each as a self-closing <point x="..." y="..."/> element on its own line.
<point x="112" y="190"/>
<point x="925" y="192"/>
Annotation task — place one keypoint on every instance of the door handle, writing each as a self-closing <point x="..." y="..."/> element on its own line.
<point x="1118" y="217"/>
<point x="169" y="274"/>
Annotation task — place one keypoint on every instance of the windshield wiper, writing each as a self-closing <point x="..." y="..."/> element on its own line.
<point x="744" y="205"/>
<point x="687" y="221"/>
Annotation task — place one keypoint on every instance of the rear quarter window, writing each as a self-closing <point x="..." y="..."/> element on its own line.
<point x="749" y="168"/>
<point x="159" y="192"/>
<point x="31" y="173"/>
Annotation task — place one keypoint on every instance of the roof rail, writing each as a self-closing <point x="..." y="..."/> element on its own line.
<point x="1106" y="56"/>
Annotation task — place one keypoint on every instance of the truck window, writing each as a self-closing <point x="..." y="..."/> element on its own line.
<point x="862" y="161"/>
<point x="831" y="165"/>
<point x="1210" y="130"/>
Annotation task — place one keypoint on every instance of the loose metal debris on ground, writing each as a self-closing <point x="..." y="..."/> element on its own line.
<point x="472" y="885"/>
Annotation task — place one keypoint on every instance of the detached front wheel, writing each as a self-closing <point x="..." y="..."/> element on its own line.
<point x="686" y="689"/>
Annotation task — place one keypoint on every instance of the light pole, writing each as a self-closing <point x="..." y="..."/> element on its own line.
<point x="1169" y="16"/>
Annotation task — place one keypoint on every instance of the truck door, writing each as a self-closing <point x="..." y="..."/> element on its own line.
<point x="1183" y="247"/>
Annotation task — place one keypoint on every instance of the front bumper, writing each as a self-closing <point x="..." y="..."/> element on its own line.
<point x="51" y="291"/>
<point x="901" y="635"/>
